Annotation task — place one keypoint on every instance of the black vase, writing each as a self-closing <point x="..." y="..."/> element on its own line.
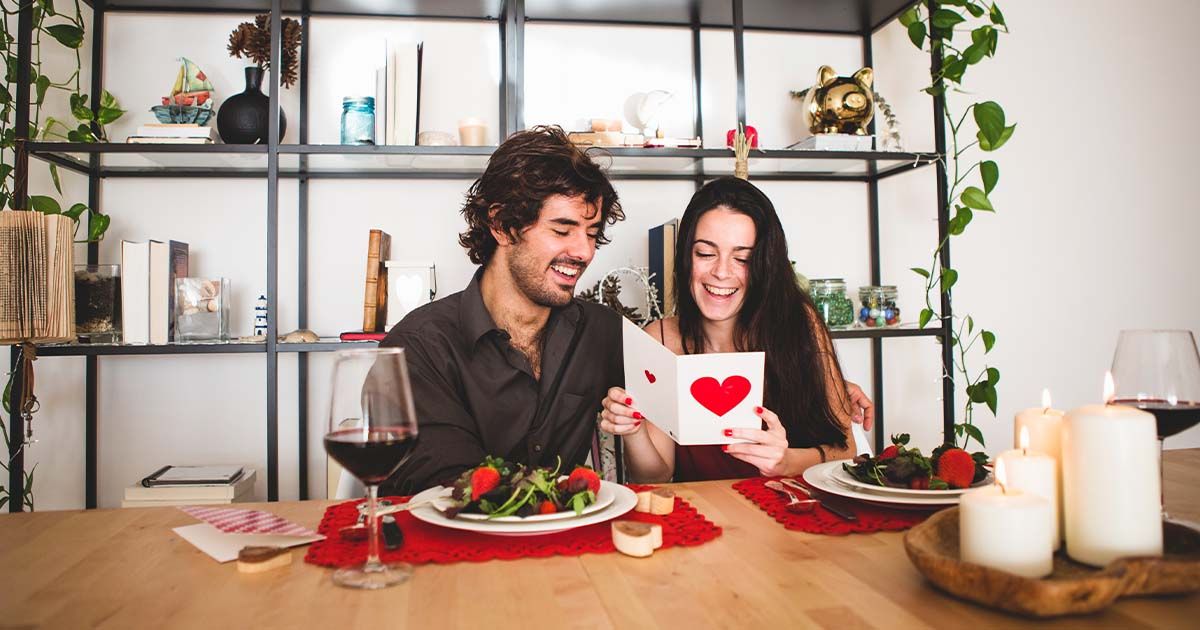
<point x="245" y="118"/>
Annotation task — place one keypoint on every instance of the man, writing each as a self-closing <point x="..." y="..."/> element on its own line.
<point x="514" y="366"/>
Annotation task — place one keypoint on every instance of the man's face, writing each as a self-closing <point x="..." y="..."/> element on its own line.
<point x="550" y="255"/>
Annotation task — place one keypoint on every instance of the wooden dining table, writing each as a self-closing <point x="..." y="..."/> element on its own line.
<point x="127" y="569"/>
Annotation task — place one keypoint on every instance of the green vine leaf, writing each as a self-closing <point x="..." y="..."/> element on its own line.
<point x="910" y="16"/>
<point x="975" y="198"/>
<point x="47" y="6"/>
<point x="989" y="340"/>
<point x="41" y="84"/>
<point x="44" y="204"/>
<point x="921" y="272"/>
<point x="970" y="325"/>
<point x="55" y="179"/>
<point x="991" y="175"/>
<point x="993" y="376"/>
<point x="989" y="117"/>
<point x="68" y="35"/>
<point x="916" y="34"/>
<point x="974" y="432"/>
<point x="988" y="145"/>
<point x="97" y="225"/>
<point x="945" y="19"/>
<point x="958" y="224"/>
<point x="76" y="211"/>
<point x="991" y="398"/>
<point x="974" y="9"/>
<point x="926" y="315"/>
<point x="949" y="277"/>
<point x="996" y="16"/>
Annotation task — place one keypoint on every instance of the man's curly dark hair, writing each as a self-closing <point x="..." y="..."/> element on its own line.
<point x="527" y="168"/>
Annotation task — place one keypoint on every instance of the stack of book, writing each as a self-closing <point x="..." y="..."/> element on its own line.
<point x="398" y="93"/>
<point x="173" y="133"/>
<point x="192" y="485"/>
<point x="148" y="273"/>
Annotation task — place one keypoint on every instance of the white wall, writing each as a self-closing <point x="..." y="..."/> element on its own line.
<point x="1095" y="230"/>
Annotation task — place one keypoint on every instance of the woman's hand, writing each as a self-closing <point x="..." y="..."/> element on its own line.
<point x="766" y="450"/>
<point x="862" y="409"/>
<point x="619" y="417"/>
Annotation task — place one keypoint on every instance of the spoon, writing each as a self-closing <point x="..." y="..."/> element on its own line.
<point x="795" y="504"/>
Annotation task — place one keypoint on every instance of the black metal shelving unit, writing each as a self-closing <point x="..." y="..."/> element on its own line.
<point x="304" y="162"/>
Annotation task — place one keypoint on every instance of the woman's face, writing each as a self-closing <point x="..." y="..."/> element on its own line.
<point x="721" y="262"/>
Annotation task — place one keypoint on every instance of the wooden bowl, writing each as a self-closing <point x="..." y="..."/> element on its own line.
<point x="1072" y="588"/>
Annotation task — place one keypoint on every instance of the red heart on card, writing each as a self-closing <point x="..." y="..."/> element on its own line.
<point x="650" y="376"/>
<point x="719" y="398"/>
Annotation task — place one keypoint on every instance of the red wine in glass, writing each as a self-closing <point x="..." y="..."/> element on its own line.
<point x="371" y="456"/>
<point x="1171" y="419"/>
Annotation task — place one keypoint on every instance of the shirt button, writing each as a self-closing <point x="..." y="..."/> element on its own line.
<point x="537" y="448"/>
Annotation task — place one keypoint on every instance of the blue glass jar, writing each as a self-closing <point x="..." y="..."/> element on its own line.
<point x="358" y="120"/>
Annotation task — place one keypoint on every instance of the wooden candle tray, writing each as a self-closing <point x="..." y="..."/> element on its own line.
<point x="1072" y="588"/>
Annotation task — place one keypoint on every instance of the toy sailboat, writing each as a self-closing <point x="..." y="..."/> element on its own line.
<point x="191" y="97"/>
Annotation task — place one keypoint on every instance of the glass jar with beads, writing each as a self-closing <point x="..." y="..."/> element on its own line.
<point x="829" y="297"/>
<point x="878" y="306"/>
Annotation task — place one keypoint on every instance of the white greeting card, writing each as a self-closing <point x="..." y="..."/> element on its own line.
<point x="692" y="398"/>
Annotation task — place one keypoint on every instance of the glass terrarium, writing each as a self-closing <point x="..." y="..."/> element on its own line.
<point x="202" y="309"/>
<point x="98" y="303"/>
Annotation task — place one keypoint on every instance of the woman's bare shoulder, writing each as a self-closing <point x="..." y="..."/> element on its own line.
<point x="666" y="331"/>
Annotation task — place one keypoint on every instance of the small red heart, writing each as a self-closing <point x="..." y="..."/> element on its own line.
<point x="719" y="398"/>
<point x="650" y="376"/>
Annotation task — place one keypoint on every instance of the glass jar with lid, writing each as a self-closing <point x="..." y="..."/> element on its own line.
<point x="358" y="120"/>
<point x="878" y="306"/>
<point x="829" y="297"/>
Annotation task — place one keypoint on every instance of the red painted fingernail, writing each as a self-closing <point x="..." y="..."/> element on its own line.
<point x="628" y="401"/>
<point x="638" y="415"/>
<point x="758" y="410"/>
<point x="638" y="423"/>
<point x="725" y="448"/>
<point x="728" y="432"/>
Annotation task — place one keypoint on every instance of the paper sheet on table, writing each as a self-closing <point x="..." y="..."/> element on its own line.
<point x="224" y="547"/>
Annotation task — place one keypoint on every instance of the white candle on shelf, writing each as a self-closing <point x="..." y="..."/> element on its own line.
<point x="1044" y="425"/>
<point x="1035" y="473"/>
<point x="1006" y="529"/>
<point x="1110" y="482"/>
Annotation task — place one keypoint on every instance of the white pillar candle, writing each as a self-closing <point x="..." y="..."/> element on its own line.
<point x="1110" y="483"/>
<point x="1034" y="473"/>
<point x="1006" y="529"/>
<point x="1044" y="425"/>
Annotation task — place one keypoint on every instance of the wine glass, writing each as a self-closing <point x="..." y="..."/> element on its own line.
<point x="1159" y="371"/>
<point x="372" y="430"/>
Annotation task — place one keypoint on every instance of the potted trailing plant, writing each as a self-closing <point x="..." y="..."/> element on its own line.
<point x="970" y="180"/>
<point x="244" y="118"/>
<point x="50" y="29"/>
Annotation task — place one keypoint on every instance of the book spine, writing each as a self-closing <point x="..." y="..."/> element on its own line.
<point x="178" y="264"/>
<point x="371" y="294"/>
<point x="135" y="292"/>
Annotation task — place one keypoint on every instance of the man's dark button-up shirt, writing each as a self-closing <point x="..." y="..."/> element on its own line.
<point x="475" y="394"/>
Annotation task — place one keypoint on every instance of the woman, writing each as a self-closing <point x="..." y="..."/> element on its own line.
<point x="737" y="293"/>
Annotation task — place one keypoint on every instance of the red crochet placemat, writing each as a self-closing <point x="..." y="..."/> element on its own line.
<point x="429" y="543"/>
<point x="871" y="518"/>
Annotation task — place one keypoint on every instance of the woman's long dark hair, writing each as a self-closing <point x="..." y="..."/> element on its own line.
<point x="776" y="317"/>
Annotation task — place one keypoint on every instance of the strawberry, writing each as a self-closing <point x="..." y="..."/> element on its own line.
<point x="547" y="507"/>
<point x="484" y="480"/>
<point x="919" y="483"/>
<point x="588" y="475"/>
<point x="889" y="452"/>
<point x="956" y="467"/>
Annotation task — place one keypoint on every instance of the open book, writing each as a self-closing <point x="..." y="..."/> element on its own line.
<point x="37" y="282"/>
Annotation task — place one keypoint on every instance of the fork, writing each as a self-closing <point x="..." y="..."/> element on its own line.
<point x="795" y="504"/>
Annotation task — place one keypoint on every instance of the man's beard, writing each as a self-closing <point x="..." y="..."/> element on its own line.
<point x="531" y="280"/>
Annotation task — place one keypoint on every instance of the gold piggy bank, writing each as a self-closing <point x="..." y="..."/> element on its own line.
<point x="839" y="104"/>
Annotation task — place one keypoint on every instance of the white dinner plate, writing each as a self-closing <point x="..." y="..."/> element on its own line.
<point x="623" y="500"/>
<point x="604" y="498"/>
<point x="840" y="475"/>
<point x="821" y="478"/>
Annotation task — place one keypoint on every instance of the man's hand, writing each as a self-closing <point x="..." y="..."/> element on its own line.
<point x="862" y="409"/>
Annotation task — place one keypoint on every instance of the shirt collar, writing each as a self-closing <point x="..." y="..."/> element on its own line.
<point x="475" y="320"/>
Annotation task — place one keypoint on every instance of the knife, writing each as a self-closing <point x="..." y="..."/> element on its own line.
<point x="836" y="506"/>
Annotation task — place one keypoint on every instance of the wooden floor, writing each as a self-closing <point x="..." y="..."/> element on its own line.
<point x="127" y="569"/>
